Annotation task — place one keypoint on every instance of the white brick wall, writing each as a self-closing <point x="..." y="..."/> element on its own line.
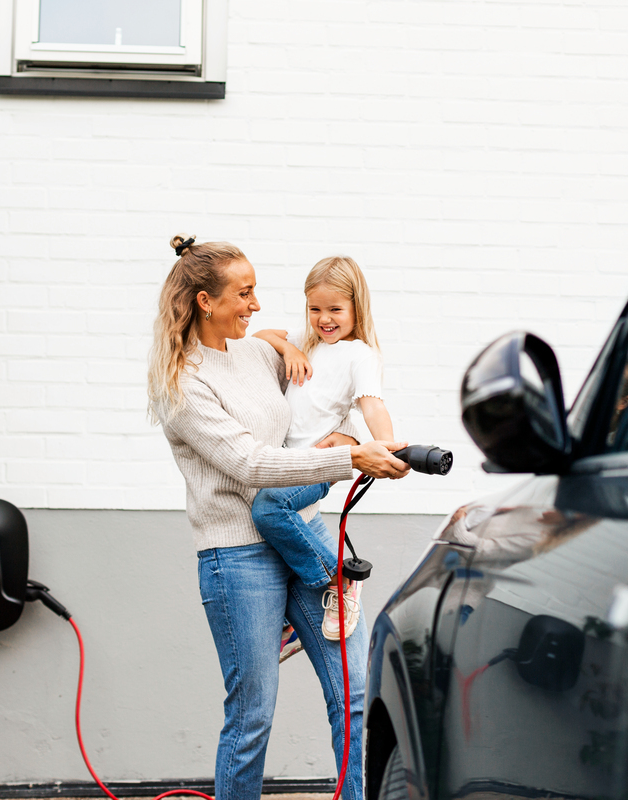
<point x="472" y="156"/>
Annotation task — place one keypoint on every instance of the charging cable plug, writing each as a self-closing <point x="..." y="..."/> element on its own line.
<point x="428" y="459"/>
<point x="37" y="591"/>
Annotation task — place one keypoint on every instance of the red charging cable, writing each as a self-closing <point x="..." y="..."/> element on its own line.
<point x="79" y="736"/>
<point x="343" y="640"/>
<point x="345" y="675"/>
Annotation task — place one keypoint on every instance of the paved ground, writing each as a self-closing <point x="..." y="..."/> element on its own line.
<point x="284" y="796"/>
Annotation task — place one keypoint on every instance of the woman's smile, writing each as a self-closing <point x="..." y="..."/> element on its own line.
<point x="231" y="312"/>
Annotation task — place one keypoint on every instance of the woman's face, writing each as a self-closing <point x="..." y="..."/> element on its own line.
<point x="231" y="312"/>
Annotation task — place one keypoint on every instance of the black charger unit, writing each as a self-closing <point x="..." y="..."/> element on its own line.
<point x="13" y="563"/>
<point x="15" y="587"/>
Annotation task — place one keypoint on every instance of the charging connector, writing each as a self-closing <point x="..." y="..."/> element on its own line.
<point x="427" y="458"/>
<point x="37" y="591"/>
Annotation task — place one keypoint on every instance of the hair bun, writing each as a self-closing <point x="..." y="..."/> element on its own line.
<point x="181" y="242"/>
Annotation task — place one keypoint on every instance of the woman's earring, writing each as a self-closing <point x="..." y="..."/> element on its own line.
<point x="208" y="315"/>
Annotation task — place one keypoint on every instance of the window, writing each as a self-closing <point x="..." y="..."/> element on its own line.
<point x="617" y="436"/>
<point x="124" y="48"/>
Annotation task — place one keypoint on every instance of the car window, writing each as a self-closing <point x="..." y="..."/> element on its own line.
<point x="583" y="403"/>
<point x="617" y="436"/>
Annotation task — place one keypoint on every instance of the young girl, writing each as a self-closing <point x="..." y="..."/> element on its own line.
<point x="334" y="365"/>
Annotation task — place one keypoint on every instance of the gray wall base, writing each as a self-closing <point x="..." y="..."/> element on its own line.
<point x="153" y="691"/>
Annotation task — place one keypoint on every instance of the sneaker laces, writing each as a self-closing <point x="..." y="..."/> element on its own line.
<point x="330" y="603"/>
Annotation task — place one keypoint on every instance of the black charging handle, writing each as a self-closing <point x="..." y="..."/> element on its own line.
<point x="427" y="458"/>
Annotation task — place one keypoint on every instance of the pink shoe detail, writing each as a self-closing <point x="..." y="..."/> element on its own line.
<point x="290" y="643"/>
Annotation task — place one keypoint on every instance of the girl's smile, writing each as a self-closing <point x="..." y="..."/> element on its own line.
<point x="332" y="315"/>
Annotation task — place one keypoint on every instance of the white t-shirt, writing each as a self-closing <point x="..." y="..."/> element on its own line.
<point x="342" y="373"/>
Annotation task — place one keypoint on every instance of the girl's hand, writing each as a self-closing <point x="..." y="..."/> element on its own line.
<point x="297" y="365"/>
<point x="376" y="459"/>
<point x="298" y="368"/>
<point x="335" y="439"/>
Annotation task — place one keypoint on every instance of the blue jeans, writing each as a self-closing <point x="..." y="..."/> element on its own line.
<point x="246" y="591"/>
<point x="307" y="548"/>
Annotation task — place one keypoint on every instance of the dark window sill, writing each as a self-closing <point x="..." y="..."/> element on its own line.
<point x="112" y="87"/>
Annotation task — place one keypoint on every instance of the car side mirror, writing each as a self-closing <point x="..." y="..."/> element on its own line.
<point x="513" y="407"/>
<point x="13" y="563"/>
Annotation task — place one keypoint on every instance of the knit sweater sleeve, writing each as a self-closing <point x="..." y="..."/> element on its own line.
<point x="274" y="361"/>
<point x="206" y="427"/>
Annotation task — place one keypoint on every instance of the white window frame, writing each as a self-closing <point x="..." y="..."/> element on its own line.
<point x="196" y="68"/>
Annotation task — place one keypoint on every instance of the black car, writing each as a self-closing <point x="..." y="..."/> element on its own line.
<point x="500" y="666"/>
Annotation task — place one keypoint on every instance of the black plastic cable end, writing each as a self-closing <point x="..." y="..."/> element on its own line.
<point x="37" y="591"/>
<point x="509" y="652"/>
<point x="356" y="569"/>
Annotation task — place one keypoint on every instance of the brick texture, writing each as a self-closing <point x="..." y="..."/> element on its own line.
<point x="472" y="156"/>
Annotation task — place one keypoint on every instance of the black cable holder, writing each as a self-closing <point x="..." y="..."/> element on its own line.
<point x="355" y="568"/>
<point x="366" y="483"/>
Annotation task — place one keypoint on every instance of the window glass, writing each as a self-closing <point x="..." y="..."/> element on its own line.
<point x="617" y="437"/>
<point x="110" y="22"/>
<point x="583" y="403"/>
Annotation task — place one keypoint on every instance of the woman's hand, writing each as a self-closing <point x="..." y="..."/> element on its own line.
<point x="376" y="459"/>
<point x="298" y="368"/>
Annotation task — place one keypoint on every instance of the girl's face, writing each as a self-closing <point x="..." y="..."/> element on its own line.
<point x="332" y="315"/>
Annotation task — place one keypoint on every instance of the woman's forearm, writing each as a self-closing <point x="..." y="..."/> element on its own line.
<point x="211" y="432"/>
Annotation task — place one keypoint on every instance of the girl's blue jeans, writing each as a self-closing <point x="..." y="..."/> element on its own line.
<point x="308" y="548"/>
<point x="246" y="592"/>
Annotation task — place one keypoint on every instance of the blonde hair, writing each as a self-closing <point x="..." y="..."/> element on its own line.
<point x="341" y="274"/>
<point x="200" y="268"/>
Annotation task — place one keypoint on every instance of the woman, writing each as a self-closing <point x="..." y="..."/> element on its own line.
<point x="219" y="398"/>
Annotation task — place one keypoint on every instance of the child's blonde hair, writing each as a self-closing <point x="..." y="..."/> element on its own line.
<point x="341" y="274"/>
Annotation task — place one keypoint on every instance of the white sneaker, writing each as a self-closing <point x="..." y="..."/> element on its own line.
<point x="351" y="599"/>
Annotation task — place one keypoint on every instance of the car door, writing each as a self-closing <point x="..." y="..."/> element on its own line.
<point x="536" y="696"/>
<point x="409" y="667"/>
<point x="538" y="701"/>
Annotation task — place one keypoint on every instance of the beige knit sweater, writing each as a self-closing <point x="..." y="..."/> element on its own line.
<point x="227" y="441"/>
